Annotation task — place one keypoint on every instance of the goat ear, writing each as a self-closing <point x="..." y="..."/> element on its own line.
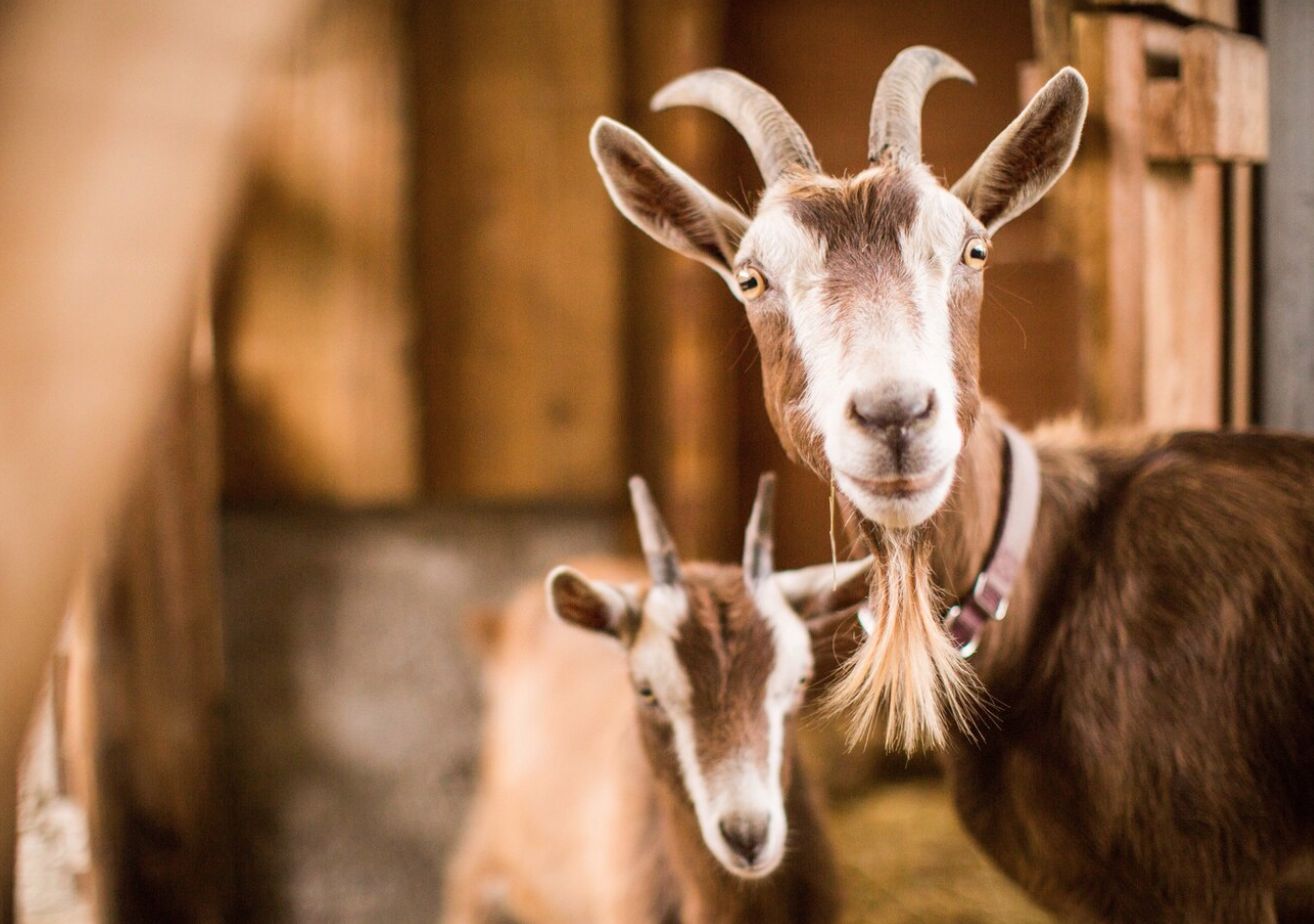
<point x="1029" y="156"/>
<point x="592" y="605"/>
<point x="672" y="207"/>
<point x="826" y="597"/>
<point x="820" y="590"/>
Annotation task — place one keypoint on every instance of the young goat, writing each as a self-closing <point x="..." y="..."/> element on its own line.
<point x="655" y="780"/>
<point x="1147" y="747"/>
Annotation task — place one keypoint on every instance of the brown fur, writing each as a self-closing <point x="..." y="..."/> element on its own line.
<point x="1153" y="680"/>
<point x="580" y="813"/>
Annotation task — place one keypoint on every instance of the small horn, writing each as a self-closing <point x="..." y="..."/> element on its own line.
<point x="658" y="548"/>
<point x="896" y="112"/>
<point x="759" y="541"/>
<point x="773" y="136"/>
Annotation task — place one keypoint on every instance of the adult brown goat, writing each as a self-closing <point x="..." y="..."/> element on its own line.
<point x="1134" y="742"/>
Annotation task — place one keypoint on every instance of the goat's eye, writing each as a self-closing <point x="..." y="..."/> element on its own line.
<point x="803" y="681"/>
<point x="751" y="282"/>
<point x="976" y="253"/>
<point x="646" y="694"/>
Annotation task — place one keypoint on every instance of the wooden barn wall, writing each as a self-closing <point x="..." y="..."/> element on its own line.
<point x="517" y="250"/>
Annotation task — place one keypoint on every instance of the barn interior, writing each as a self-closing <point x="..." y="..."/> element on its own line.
<point x="321" y="335"/>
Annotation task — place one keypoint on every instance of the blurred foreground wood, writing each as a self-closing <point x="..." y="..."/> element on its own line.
<point x="119" y="155"/>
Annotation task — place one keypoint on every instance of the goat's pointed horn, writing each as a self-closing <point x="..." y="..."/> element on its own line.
<point x="658" y="548"/>
<point x="896" y="112"/>
<point x="759" y="540"/>
<point x="773" y="136"/>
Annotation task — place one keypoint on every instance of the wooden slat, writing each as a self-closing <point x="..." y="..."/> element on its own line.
<point x="1183" y="328"/>
<point x="518" y="250"/>
<point x="1219" y="12"/>
<point x="317" y="321"/>
<point x="1217" y="108"/>
<point x="1101" y="207"/>
<point x="683" y="414"/>
<point x="1241" y="212"/>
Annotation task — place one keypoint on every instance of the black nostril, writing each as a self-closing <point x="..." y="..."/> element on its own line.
<point x="892" y="408"/>
<point x="745" y="834"/>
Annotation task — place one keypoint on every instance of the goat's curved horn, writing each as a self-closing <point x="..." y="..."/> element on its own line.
<point x="759" y="541"/>
<point x="896" y="112"/>
<point x="658" y="548"/>
<point x="773" y="136"/>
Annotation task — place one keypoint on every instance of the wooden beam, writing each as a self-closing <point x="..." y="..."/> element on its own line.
<point x="1100" y="209"/>
<point x="317" y="322"/>
<point x="1217" y="106"/>
<point x="683" y="409"/>
<point x="518" y="250"/>
<point x="119" y="158"/>
<point x="1241" y="287"/>
<point x="1218" y="12"/>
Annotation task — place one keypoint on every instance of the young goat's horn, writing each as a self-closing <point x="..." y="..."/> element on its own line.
<point x="773" y="136"/>
<point x="759" y="543"/>
<point x="896" y="112"/>
<point x="658" y="548"/>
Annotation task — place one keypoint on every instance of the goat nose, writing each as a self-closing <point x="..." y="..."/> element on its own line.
<point x="746" y="834"/>
<point x="893" y="408"/>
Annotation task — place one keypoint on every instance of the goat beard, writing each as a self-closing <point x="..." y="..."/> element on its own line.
<point x="907" y="670"/>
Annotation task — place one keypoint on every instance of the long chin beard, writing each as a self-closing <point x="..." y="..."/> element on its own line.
<point x="907" y="670"/>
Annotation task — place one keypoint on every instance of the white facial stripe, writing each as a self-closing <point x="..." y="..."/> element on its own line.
<point x="863" y="348"/>
<point x="743" y="784"/>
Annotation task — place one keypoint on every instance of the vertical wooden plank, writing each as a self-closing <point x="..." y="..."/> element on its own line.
<point x="1101" y="210"/>
<point x="1241" y="282"/>
<point x="158" y="677"/>
<point x="1183" y="376"/>
<point x="317" y="321"/>
<point x="1287" y="313"/>
<point x="518" y="251"/>
<point x="682" y="321"/>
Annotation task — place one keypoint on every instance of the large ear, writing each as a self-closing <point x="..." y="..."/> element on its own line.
<point x="592" y="605"/>
<point x="664" y="201"/>
<point x="1028" y="157"/>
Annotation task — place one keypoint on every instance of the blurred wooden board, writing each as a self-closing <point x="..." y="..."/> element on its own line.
<point x="1216" y="108"/>
<point x="316" y="319"/>
<point x="518" y="250"/>
<point x="1219" y="12"/>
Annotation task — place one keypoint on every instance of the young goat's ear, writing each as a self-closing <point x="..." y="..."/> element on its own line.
<point x="592" y="605"/>
<point x="664" y="201"/>
<point x="820" y="590"/>
<point x="825" y="596"/>
<point x="1028" y="157"/>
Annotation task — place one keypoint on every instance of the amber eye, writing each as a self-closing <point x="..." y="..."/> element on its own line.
<point x="646" y="694"/>
<point x="976" y="252"/>
<point x="751" y="283"/>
